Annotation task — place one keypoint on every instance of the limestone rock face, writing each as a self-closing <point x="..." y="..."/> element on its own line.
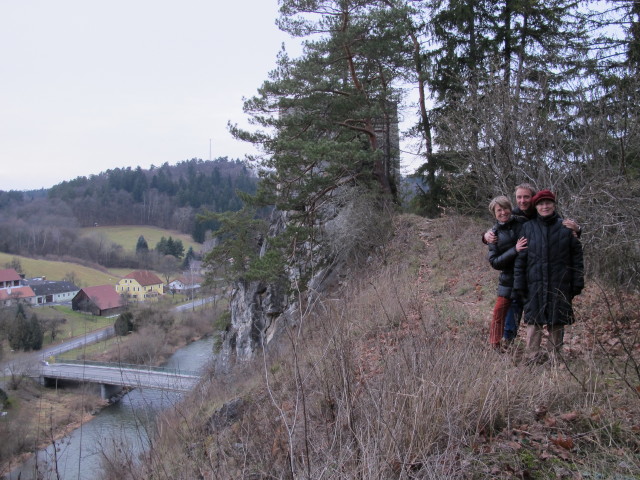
<point x="261" y="312"/>
<point x="258" y="312"/>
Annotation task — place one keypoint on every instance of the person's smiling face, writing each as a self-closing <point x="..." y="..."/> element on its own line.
<point x="523" y="198"/>
<point x="502" y="214"/>
<point x="545" y="208"/>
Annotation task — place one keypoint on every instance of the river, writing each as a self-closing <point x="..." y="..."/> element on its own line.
<point x="124" y="424"/>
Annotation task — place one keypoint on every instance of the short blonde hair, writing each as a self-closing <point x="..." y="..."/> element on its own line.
<point x="501" y="200"/>
<point x="526" y="186"/>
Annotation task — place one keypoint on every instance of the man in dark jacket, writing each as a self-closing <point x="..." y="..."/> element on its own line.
<point x="547" y="275"/>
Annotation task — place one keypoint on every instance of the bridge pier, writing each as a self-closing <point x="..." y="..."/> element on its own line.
<point x="48" y="382"/>
<point x="107" y="391"/>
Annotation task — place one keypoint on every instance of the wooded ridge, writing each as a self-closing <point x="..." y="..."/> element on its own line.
<point x="48" y="222"/>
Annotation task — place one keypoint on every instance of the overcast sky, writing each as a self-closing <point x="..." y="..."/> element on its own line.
<point x="86" y="86"/>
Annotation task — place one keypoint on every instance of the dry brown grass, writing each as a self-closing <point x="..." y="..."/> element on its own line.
<point x="392" y="377"/>
<point x="38" y="416"/>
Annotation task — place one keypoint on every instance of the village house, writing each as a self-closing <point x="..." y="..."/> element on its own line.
<point x="11" y="289"/>
<point x="9" y="296"/>
<point x="9" y="278"/>
<point x="140" y="286"/>
<point x="50" y="291"/>
<point x="185" y="283"/>
<point x="101" y="300"/>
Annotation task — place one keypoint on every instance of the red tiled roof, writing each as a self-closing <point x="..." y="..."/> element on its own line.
<point x="9" y="275"/>
<point x="145" y="278"/>
<point x="16" y="292"/>
<point x="104" y="296"/>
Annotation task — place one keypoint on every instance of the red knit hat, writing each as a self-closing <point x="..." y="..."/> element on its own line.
<point x="543" y="195"/>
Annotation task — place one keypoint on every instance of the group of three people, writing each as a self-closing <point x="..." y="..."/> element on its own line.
<point x="540" y="259"/>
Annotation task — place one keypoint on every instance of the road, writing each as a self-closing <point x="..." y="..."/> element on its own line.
<point x="77" y="342"/>
<point x="25" y="361"/>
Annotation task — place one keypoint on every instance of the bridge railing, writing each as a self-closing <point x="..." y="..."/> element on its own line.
<point x="128" y="366"/>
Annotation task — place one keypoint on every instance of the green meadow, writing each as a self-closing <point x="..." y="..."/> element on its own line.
<point x="76" y="323"/>
<point x="127" y="236"/>
<point x="55" y="270"/>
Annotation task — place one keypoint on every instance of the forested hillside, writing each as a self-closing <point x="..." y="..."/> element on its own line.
<point x="47" y="222"/>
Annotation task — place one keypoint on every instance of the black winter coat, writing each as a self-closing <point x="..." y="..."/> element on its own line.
<point x="502" y="254"/>
<point x="550" y="272"/>
<point x="528" y="215"/>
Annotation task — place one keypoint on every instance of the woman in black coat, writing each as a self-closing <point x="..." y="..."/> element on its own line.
<point x="548" y="274"/>
<point x="502" y="255"/>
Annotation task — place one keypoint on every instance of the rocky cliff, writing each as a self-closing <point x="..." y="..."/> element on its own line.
<point x="260" y="312"/>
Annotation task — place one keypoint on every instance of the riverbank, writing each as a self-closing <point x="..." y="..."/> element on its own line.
<point x="39" y="416"/>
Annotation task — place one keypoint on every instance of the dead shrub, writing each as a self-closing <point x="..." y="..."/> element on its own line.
<point x="85" y="400"/>
<point x="144" y="347"/>
<point x="17" y="436"/>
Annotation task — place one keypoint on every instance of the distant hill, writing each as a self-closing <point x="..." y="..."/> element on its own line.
<point x="49" y="223"/>
<point x="169" y="196"/>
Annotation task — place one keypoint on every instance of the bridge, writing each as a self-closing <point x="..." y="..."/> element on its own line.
<point x="113" y="377"/>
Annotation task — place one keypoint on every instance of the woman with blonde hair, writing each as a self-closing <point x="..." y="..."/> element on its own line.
<point x="502" y="255"/>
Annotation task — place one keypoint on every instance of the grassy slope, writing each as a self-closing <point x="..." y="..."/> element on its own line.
<point x="128" y="235"/>
<point x="55" y="270"/>
<point x="395" y="380"/>
<point x="77" y="323"/>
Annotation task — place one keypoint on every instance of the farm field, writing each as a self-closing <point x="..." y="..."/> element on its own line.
<point x="127" y="236"/>
<point x="55" y="270"/>
<point x="90" y="351"/>
<point x="76" y="323"/>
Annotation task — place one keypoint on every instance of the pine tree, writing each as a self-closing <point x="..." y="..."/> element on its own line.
<point x="35" y="334"/>
<point x="237" y="252"/>
<point x="504" y="77"/>
<point x="188" y="257"/>
<point x="141" y="246"/>
<point x="123" y="324"/>
<point x="25" y="334"/>
<point x="178" y="249"/>
<point x="162" y="246"/>
<point x="17" y="331"/>
<point x="328" y="119"/>
<point x="606" y="143"/>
